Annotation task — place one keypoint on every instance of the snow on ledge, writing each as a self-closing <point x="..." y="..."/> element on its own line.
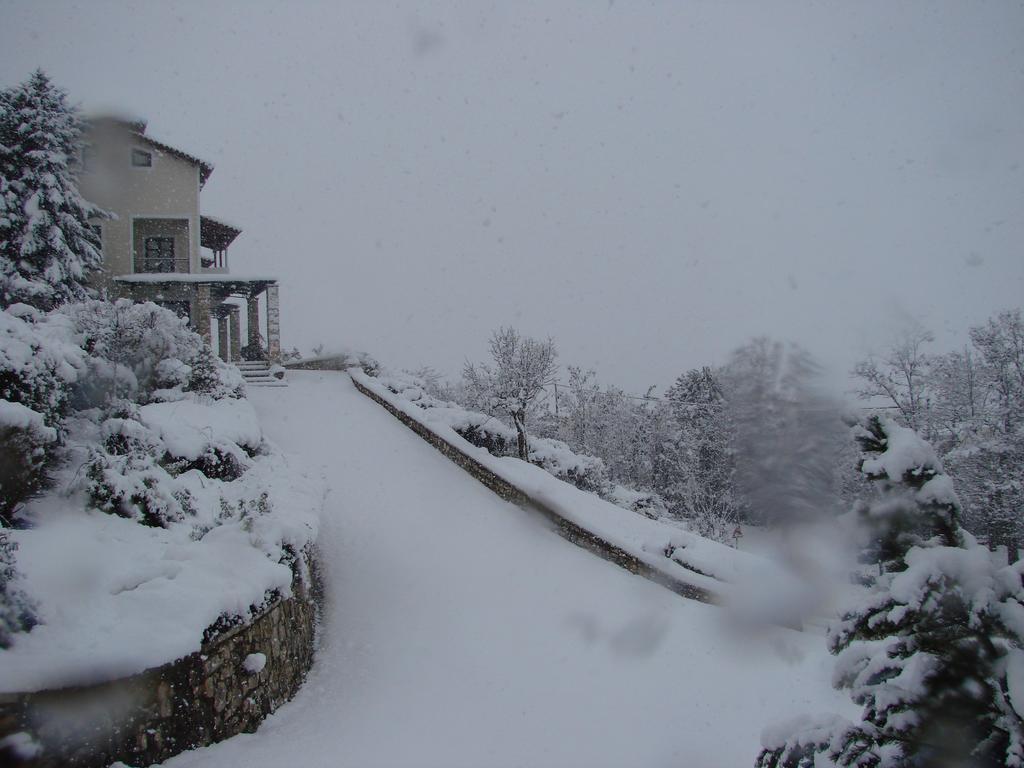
<point x="677" y="554"/>
<point x="192" y="277"/>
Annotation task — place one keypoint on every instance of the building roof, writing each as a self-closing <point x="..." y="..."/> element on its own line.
<point x="137" y="127"/>
<point x="205" y="168"/>
<point x="216" y="234"/>
<point x="221" y="286"/>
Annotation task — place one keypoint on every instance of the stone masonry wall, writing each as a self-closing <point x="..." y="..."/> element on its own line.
<point x="197" y="700"/>
<point x="565" y="528"/>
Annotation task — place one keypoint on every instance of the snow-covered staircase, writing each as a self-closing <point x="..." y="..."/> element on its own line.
<point x="257" y="373"/>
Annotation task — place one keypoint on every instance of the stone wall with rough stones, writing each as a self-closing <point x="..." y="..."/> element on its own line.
<point x="192" y="702"/>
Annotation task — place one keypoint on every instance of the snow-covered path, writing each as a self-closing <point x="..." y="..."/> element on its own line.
<point x="458" y="631"/>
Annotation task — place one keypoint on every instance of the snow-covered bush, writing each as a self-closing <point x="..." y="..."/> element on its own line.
<point x="932" y="651"/>
<point x="211" y="376"/>
<point x="17" y="612"/>
<point x="585" y="472"/>
<point x="25" y="447"/>
<point x="38" y="365"/>
<point x="646" y="503"/>
<point x="143" y="352"/>
<point x="133" y="471"/>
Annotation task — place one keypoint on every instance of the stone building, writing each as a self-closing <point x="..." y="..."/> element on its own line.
<point x="160" y="247"/>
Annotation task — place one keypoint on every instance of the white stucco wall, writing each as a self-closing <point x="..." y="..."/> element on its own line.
<point x="168" y="189"/>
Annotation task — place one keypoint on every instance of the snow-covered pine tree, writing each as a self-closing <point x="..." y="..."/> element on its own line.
<point x="926" y="652"/>
<point x="204" y="378"/>
<point x="47" y="247"/>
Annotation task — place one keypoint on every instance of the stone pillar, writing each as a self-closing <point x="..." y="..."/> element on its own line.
<point x="222" y="335"/>
<point x="201" y="312"/>
<point x="273" y="324"/>
<point x="234" y="316"/>
<point x="254" y="320"/>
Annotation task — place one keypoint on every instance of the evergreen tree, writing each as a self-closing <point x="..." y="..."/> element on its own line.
<point x="926" y="652"/>
<point x="47" y="248"/>
<point x="204" y="378"/>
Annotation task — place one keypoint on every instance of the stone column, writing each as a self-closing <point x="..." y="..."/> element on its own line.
<point x="222" y="335"/>
<point x="201" y="312"/>
<point x="234" y="316"/>
<point x="273" y="324"/>
<point x="254" y="320"/>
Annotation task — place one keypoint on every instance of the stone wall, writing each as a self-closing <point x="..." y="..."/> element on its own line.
<point x="327" y="363"/>
<point x="565" y="528"/>
<point x="197" y="700"/>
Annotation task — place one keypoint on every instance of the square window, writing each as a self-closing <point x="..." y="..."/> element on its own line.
<point x="142" y="159"/>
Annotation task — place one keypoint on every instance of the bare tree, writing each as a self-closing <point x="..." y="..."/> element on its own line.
<point x="900" y="376"/>
<point x="522" y="369"/>
<point x="1000" y="342"/>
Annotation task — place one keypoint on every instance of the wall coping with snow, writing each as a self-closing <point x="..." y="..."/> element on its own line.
<point x="228" y="687"/>
<point x="689" y="584"/>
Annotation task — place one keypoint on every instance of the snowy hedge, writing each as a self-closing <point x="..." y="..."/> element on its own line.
<point x="588" y="473"/>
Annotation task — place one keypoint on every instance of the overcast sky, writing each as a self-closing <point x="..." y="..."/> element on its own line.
<point x="649" y="183"/>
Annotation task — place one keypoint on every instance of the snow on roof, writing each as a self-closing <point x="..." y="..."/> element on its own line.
<point x="205" y="168"/>
<point x="220" y="222"/>
<point x="137" y="126"/>
<point x="192" y="277"/>
<point x="217" y="234"/>
<point x="136" y="123"/>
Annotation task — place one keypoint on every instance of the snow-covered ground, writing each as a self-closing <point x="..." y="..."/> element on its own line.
<point x="459" y="631"/>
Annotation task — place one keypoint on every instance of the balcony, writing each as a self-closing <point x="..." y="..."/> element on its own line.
<point x="215" y="236"/>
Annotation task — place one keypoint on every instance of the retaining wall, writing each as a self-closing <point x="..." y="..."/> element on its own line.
<point x="565" y="528"/>
<point x="192" y="702"/>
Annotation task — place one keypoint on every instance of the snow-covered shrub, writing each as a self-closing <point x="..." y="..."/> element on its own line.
<point x="144" y="352"/>
<point x="253" y="352"/>
<point x="39" y="359"/>
<point x="585" y="472"/>
<point x="646" y="503"/>
<point x="17" y="611"/>
<point x="123" y="475"/>
<point x="134" y="486"/>
<point x="491" y="440"/>
<point x="38" y="364"/>
<point x="210" y="376"/>
<point x="930" y="652"/>
<point x="25" y="446"/>
<point x="133" y="472"/>
<point x="129" y="345"/>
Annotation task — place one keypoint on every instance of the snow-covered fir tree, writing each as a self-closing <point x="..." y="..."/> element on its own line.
<point x="926" y="652"/>
<point x="47" y="247"/>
